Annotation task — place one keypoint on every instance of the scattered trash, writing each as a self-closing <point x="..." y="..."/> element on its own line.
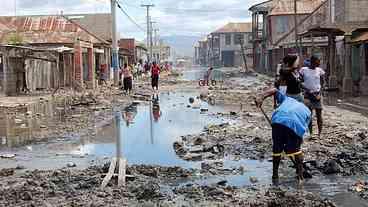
<point x="71" y="164"/>
<point x="7" y="156"/>
<point x="253" y="179"/>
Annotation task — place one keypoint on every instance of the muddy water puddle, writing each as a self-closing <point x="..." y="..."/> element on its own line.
<point x="148" y="133"/>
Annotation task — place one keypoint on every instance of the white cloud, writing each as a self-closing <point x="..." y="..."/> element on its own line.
<point x="174" y="17"/>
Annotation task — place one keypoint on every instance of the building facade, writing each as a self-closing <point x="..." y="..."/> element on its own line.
<point x="333" y="30"/>
<point x="81" y="53"/>
<point x="229" y="46"/>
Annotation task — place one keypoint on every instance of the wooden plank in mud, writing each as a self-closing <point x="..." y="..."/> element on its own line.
<point x="122" y="172"/>
<point x="110" y="173"/>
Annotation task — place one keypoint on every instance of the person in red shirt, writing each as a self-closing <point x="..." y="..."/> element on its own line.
<point x="155" y="74"/>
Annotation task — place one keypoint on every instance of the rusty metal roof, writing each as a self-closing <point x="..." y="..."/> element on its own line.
<point x="235" y="27"/>
<point x="361" y="38"/>
<point x="286" y="7"/>
<point x="44" y="29"/>
<point x="263" y="6"/>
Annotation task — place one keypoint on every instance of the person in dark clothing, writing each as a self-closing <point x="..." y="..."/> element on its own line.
<point x="155" y="74"/>
<point x="290" y="77"/>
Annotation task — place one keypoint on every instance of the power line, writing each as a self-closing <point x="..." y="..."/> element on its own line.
<point x="129" y="17"/>
<point x="131" y="5"/>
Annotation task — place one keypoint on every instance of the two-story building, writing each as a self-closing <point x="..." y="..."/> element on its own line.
<point x="203" y="52"/>
<point x="230" y="45"/>
<point x="333" y="30"/>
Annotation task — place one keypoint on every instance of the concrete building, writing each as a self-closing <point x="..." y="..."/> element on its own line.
<point x="131" y="51"/>
<point x="161" y="52"/>
<point x="203" y="52"/>
<point x="272" y="28"/>
<point x="230" y="44"/>
<point x="344" y="24"/>
<point x="333" y="30"/>
<point x="141" y="52"/>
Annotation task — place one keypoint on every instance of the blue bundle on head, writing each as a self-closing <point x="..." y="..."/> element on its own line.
<point x="307" y="63"/>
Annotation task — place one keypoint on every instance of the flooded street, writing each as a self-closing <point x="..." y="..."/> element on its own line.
<point x="233" y="151"/>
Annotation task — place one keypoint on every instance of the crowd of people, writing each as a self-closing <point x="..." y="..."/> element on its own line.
<point x="297" y="93"/>
<point x="131" y="73"/>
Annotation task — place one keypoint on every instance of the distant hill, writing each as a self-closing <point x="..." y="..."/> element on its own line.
<point x="183" y="45"/>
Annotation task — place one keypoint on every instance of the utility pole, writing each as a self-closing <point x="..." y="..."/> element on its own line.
<point x="157" y="44"/>
<point x="156" y="36"/>
<point x="115" y="50"/>
<point x="243" y="54"/>
<point x="148" y="6"/>
<point x="151" y="37"/>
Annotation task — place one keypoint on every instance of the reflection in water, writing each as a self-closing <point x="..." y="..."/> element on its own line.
<point x="156" y="112"/>
<point x="149" y="136"/>
<point x="25" y="124"/>
<point x="129" y="114"/>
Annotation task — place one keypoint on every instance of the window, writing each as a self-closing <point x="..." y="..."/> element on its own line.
<point x="238" y="39"/>
<point x="228" y="39"/>
<point x="282" y="24"/>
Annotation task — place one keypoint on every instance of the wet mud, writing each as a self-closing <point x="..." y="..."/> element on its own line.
<point x="212" y="151"/>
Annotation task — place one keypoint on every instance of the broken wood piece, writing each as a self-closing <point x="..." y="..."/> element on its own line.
<point x="119" y="163"/>
<point x="122" y="172"/>
<point x="109" y="174"/>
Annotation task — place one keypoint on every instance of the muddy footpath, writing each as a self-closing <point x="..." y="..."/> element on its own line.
<point x="341" y="151"/>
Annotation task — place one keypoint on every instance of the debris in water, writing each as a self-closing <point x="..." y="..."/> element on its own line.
<point x="71" y="164"/>
<point x="7" y="156"/>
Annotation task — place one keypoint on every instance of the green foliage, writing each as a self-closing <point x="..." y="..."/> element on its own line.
<point x="15" y="39"/>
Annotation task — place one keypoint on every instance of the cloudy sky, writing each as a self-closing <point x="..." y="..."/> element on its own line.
<point x="173" y="17"/>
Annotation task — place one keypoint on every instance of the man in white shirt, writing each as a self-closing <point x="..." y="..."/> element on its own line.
<point x="312" y="84"/>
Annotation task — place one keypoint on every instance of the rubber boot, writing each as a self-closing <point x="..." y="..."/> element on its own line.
<point x="299" y="167"/>
<point x="319" y="122"/>
<point x="310" y="126"/>
<point x="275" y="171"/>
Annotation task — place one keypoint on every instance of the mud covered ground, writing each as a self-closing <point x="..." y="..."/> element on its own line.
<point x="341" y="150"/>
<point x="150" y="186"/>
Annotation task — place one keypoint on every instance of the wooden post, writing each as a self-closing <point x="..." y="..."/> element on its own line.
<point x="117" y="162"/>
<point x="243" y="54"/>
<point x="78" y="65"/>
<point x="91" y="68"/>
<point x="364" y="81"/>
<point x="332" y="82"/>
<point x="348" y="80"/>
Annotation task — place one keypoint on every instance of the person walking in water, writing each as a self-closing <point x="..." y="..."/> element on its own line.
<point x="207" y="76"/>
<point x="155" y="74"/>
<point x="312" y="84"/>
<point x="290" y="77"/>
<point x="289" y="122"/>
<point x="127" y="79"/>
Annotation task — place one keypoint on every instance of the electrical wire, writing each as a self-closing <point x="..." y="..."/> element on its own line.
<point x="131" y="5"/>
<point x="129" y="17"/>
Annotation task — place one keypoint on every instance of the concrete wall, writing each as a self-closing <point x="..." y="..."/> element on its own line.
<point x="233" y="46"/>
<point x="1" y="76"/>
<point x="356" y="10"/>
<point x="238" y="58"/>
<point x="281" y="24"/>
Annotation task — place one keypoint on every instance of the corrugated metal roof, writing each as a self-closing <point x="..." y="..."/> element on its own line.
<point x="235" y="27"/>
<point x="48" y="29"/>
<point x="361" y="38"/>
<point x="285" y="7"/>
<point x="261" y="6"/>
